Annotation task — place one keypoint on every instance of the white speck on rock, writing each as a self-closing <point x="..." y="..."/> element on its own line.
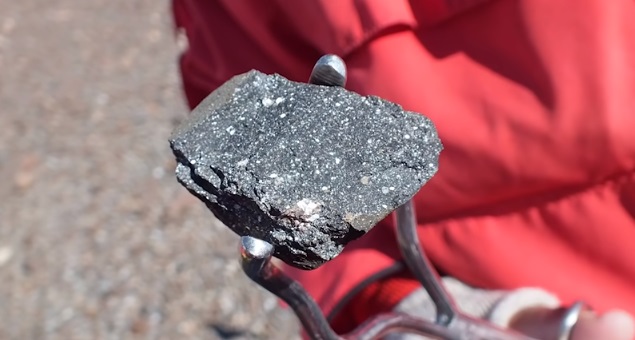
<point x="243" y="162"/>
<point x="325" y="188"/>
<point x="406" y="136"/>
<point x="308" y="206"/>
<point x="283" y="115"/>
<point x="337" y="161"/>
<point x="231" y="130"/>
<point x="273" y="176"/>
<point x="266" y="102"/>
<point x="313" y="217"/>
<point x="385" y="190"/>
<point x="365" y="180"/>
<point x="279" y="100"/>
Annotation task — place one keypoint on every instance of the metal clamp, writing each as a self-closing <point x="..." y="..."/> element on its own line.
<point x="450" y="323"/>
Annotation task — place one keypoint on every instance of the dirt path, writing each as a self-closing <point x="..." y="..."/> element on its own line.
<point x="97" y="239"/>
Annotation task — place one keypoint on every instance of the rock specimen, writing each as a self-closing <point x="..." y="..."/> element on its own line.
<point x="305" y="167"/>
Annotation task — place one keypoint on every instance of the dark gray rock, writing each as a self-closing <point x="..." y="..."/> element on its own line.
<point x="307" y="168"/>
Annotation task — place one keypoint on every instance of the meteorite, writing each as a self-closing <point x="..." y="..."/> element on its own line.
<point x="308" y="168"/>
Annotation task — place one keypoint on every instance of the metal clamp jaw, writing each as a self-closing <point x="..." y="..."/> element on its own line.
<point x="450" y="323"/>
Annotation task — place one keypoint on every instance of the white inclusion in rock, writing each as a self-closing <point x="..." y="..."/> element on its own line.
<point x="279" y="100"/>
<point x="406" y="136"/>
<point x="273" y="176"/>
<point x="266" y="102"/>
<point x="337" y="161"/>
<point x="313" y="217"/>
<point x="385" y="190"/>
<point x="308" y="207"/>
<point x="283" y="115"/>
<point x="243" y="162"/>
<point x="325" y="188"/>
<point x="231" y="130"/>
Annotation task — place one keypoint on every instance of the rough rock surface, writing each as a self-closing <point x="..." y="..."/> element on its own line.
<point x="307" y="168"/>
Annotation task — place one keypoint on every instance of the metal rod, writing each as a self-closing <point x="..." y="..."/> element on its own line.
<point x="256" y="263"/>
<point x="383" y="324"/>
<point x="420" y="266"/>
<point x="478" y="329"/>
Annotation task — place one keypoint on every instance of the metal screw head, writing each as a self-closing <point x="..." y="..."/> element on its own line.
<point x="329" y="70"/>
<point x="252" y="248"/>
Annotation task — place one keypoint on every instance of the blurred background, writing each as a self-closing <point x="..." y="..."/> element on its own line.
<point x="97" y="238"/>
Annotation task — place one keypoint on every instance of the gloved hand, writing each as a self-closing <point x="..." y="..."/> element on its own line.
<point x="531" y="311"/>
<point x="544" y="323"/>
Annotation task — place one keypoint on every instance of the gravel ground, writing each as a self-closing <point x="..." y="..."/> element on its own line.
<point x="97" y="239"/>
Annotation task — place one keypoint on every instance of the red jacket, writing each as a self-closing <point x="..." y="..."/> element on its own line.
<point x="534" y="101"/>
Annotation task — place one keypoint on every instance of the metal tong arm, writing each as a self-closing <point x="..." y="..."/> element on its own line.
<point x="447" y="312"/>
<point x="420" y="266"/>
<point x="256" y="262"/>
